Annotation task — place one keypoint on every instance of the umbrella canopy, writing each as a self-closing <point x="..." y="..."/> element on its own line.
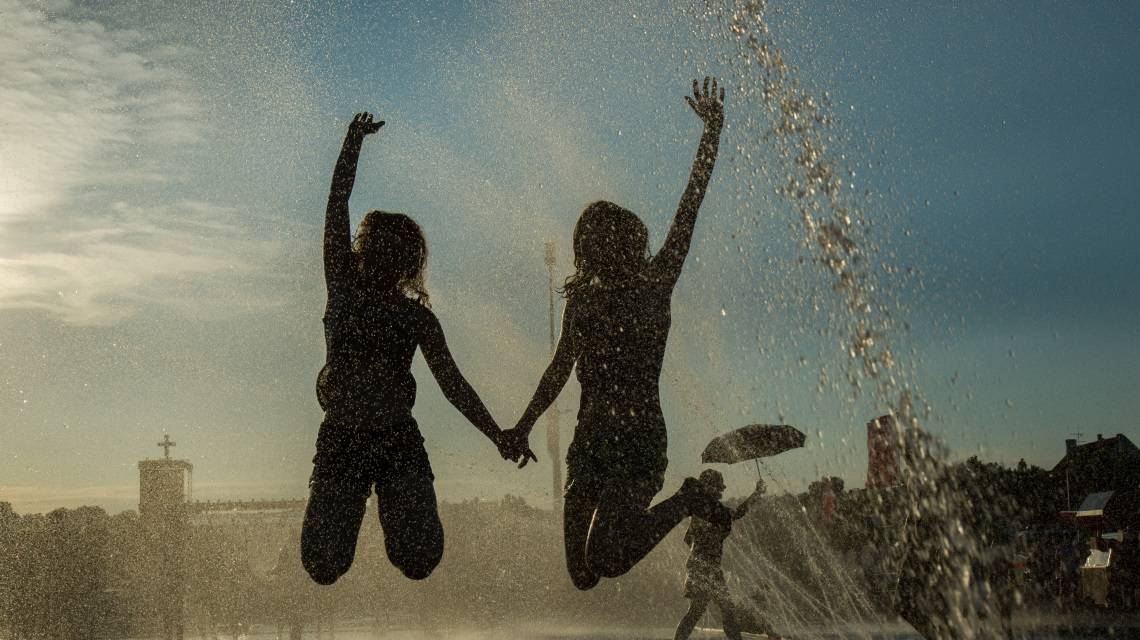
<point x="753" y="441"/>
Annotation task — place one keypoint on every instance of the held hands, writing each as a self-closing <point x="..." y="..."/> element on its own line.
<point x="708" y="103"/>
<point x="514" y="445"/>
<point x="362" y="125"/>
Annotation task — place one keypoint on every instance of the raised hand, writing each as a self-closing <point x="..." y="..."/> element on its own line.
<point x="708" y="103"/>
<point x="363" y="125"/>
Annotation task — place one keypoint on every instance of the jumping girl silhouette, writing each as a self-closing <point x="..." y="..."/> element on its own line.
<point x="614" y="330"/>
<point x="376" y="316"/>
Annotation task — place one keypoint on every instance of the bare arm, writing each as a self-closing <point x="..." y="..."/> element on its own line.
<point x="743" y="507"/>
<point x="549" y="386"/>
<point x="740" y="510"/>
<point x="553" y="379"/>
<point x="709" y="106"/>
<point x="338" y="243"/>
<point x="451" y="381"/>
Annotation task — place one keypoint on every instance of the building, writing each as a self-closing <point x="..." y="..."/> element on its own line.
<point x="172" y="522"/>
<point x="164" y="486"/>
<point x="1105" y="464"/>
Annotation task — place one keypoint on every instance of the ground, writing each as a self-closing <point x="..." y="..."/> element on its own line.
<point x="1083" y="625"/>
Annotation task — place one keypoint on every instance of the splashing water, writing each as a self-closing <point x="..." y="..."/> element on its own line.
<point x="825" y="595"/>
<point x="831" y="213"/>
<point x="942" y="570"/>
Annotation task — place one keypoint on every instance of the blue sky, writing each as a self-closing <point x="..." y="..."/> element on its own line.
<point x="163" y="173"/>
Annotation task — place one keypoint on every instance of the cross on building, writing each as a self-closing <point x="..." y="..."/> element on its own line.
<point x="166" y="444"/>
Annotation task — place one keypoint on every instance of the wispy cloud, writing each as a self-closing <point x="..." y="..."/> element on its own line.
<point x="78" y="99"/>
<point x="99" y="271"/>
<point x="91" y="120"/>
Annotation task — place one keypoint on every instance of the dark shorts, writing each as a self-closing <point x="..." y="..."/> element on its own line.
<point x="360" y="454"/>
<point x="630" y="460"/>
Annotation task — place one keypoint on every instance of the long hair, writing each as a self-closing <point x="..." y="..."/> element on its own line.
<point x="391" y="250"/>
<point x="610" y="242"/>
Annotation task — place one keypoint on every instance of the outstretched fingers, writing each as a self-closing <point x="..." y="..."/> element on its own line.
<point x="707" y="100"/>
<point x="363" y="123"/>
<point x="713" y="94"/>
<point x="369" y="125"/>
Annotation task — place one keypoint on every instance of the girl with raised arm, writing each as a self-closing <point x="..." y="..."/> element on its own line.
<point x="377" y="315"/>
<point x="614" y="330"/>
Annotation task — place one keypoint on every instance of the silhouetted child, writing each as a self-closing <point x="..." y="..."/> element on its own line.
<point x="704" y="578"/>
<point x="614" y="330"/>
<point x="376" y="316"/>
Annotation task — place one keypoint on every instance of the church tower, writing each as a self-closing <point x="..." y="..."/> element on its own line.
<point x="164" y="489"/>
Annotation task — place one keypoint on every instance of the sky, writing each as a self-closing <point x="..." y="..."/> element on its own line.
<point x="164" y="169"/>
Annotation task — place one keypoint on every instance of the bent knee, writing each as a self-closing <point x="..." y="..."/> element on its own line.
<point x="416" y="559"/>
<point x="324" y="579"/>
<point x="325" y="575"/>
<point x="417" y="572"/>
<point x="585" y="581"/>
<point x="325" y="566"/>
<point x="416" y="568"/>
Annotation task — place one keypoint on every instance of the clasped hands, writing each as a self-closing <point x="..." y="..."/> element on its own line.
<point x="514" y="445"/>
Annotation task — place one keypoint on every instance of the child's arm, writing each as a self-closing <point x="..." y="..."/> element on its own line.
<point x="743" y="507"/>
<point x="455" y="387"/>
<point x="552" y="381"/>
<point x="709" y="106"/>
<point x="740" y="510"/>
<point x="338" y="242"/>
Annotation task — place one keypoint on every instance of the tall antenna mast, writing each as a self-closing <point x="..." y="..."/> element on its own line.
<point x="552" y="445"/>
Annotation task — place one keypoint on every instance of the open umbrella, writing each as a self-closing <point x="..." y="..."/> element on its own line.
<point x="752" y="442"/>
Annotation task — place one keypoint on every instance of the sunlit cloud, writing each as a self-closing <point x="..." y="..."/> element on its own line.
<point x="91" y="117"/>
<point x="77" y="100"/>
<point x="100" y="273"/>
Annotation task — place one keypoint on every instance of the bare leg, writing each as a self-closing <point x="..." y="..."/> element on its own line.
<point x="577" y="513"/>
<point x="623" y="531"/>
<point x="331" y="526"/>
<point x="728" y="618"/>
<point x="413" y="535"/>
<point x="689" y="621"/>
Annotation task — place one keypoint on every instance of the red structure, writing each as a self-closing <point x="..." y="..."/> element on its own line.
<point x="827" y="501"/>
<point x="882" y="452"/>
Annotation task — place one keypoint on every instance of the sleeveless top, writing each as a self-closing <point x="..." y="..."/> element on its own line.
<point x="370" y="343"/>
<point x="620" y="334"/>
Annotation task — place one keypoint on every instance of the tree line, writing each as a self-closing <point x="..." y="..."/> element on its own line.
<point x="82" y="573"/>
